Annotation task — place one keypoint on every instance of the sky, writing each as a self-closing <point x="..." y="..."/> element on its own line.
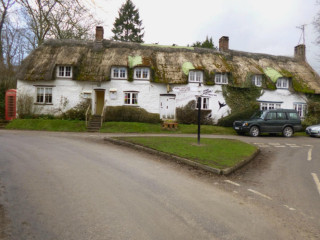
<point x="257" y="26"/>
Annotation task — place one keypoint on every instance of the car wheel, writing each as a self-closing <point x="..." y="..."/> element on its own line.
<point x="287" y="132"/>
<point x="254" y="131"/>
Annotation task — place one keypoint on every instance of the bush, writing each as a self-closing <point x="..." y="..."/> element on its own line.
<point x="130" y="114"/>
<point x="239" y="115"/>
<point x="189" y="114"/>
<point x="25" y="106"/>
<point x="78" y="112"/>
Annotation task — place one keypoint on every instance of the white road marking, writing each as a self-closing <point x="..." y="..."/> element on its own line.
<point x="260" y="194"/>
<point x="294" y="146"/>
<point x="305" y="145"/>
<point x="280" y="146"/>
<point x="233" y="183"/>
<point x="291" y="144"/>
<point x="310" y="154"/>
<point x="316" y="180"/>
<point x="291" y="209"/>
<point x="274" y="144"/>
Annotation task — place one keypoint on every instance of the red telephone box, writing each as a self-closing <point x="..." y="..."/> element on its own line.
<point x="11" y="96"/>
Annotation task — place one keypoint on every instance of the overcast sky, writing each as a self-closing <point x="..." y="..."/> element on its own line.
<point x="260" y="26"/>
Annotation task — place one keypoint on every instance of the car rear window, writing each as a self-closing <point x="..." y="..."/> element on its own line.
<point x="293" y="116"/>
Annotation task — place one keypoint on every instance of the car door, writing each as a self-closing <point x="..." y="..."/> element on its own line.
<point x="270" y="123"/>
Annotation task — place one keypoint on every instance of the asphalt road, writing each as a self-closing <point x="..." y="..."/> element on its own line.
<point x="75" y="186"/>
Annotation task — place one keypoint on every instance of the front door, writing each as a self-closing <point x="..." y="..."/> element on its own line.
<point x="99" y="101"/>
<point x="167" y="106"/>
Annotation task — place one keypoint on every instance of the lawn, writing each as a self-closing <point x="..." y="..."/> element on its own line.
<point x="216" y="153"/>
<point x="48" y="125"/>
<point x="135" y="127"/>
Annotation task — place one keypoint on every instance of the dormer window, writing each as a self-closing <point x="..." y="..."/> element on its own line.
<point x="64" y="71"/>
<point x="196" y="76"/>
<point x="221" y="78"/>
<point x="142" y="73"/>
<point x="283" y="83"/>
<point x="257" y="80"/>
<point x="119" y="73"/>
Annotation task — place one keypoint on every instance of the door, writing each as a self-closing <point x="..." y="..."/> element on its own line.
<point x="167" y="106"/>
<point x="99" y="101"/>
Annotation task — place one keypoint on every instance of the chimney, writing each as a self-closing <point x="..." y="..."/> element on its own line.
<point x="224" y="43"/>
<point x="300" y="52"/>
<point x="99" y="33"/>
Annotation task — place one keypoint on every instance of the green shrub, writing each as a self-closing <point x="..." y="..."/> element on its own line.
<point x="188" y="114"/>
<point x="78" y="112"/>
<point x="238" y="115"/>
<point x="130" y="114"/>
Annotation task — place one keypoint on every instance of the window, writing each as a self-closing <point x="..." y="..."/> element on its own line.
<point x="86" y="95"/>
<point x="44" y="95"/>
<point x="257" y="80"/>
<point x="267" y="106"/>
<point x="131" y="98"/>
<point x="221" y="78"/>
<point x="196" y="76"/>
<point x="119" y="72"/>
<point x="293" y="116"/>
<point x="204" y="103"/>
<point x="64" y="71"/>
<point x="283" y="83"/>
<point x="142" y="73"/>
<point x="301" y="108"/>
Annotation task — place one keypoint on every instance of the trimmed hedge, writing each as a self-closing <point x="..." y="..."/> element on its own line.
<point x="188" y="114"/>
<point x="130" y="114"/>
<point x="239" y="115"/>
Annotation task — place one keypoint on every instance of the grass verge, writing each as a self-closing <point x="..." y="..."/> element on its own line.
<point x="48" y="125"/>
<point x="216" y="153"/>
<point x="135" y="127"/>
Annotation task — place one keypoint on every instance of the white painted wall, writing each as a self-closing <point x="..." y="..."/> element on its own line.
<point x="148" y="97"/>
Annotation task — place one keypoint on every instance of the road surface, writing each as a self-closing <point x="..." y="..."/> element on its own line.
<point x="75" y="186"/>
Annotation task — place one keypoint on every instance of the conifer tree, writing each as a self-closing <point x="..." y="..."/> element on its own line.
<point x="208" y="43"/>
<point x="128" y="26"/>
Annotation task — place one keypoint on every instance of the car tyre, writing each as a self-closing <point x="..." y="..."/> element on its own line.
<point x="287" y="132"/>
<point x="254" y="131"/>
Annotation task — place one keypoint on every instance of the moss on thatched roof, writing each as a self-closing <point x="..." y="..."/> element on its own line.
<point x="92" y="61"/>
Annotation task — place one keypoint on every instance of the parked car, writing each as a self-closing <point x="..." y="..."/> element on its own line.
<point x="313" y="131"/>
<point x="285" y="121"/>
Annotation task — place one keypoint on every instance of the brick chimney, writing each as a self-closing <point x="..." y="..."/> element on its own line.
<point x="224" y="43"/>
<point x="300" y="52"/>
<point x="99" y="33"/>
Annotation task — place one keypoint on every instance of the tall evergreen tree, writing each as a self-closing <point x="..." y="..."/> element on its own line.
<point x="128" y="26"/>
<point x="208" y="43"/>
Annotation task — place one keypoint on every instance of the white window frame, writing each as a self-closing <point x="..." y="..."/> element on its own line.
<point x="64" y="71"/>
<point x="195" y="76"/>
<point x="131" y="98"/>
<point x="44" y="95"/>
<point x="141" y="73"/>
<point x="257" y="80"/>
<point x="204" y="103"/>
<point x="119" y="73"/>
<point x="86" y="95"/>
<point x="283" y="83"/>
<point x="269" y="105"/>
<point x="301" y="108"/>
<point x="221" y="78"/>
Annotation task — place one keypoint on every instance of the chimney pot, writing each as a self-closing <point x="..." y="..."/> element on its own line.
<point x="99" y="33"/>
<point x="224" y="43"/>
<point x="300" y="52"/>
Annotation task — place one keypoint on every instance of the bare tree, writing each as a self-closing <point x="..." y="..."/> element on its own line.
<point x="72" y="21"/>
<point x="5" y="5"/>
<point x="37" y="14"/>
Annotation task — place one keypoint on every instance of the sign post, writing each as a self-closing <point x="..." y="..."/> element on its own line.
<point x="199" y="118"/>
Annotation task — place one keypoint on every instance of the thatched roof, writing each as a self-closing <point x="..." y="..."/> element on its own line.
<point x="92" y="61"/>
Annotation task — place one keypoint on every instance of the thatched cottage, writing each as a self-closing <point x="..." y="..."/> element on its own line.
<point x="160" y="78"/>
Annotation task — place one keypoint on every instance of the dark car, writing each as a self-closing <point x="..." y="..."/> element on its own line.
<point x="285" y="121"/>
